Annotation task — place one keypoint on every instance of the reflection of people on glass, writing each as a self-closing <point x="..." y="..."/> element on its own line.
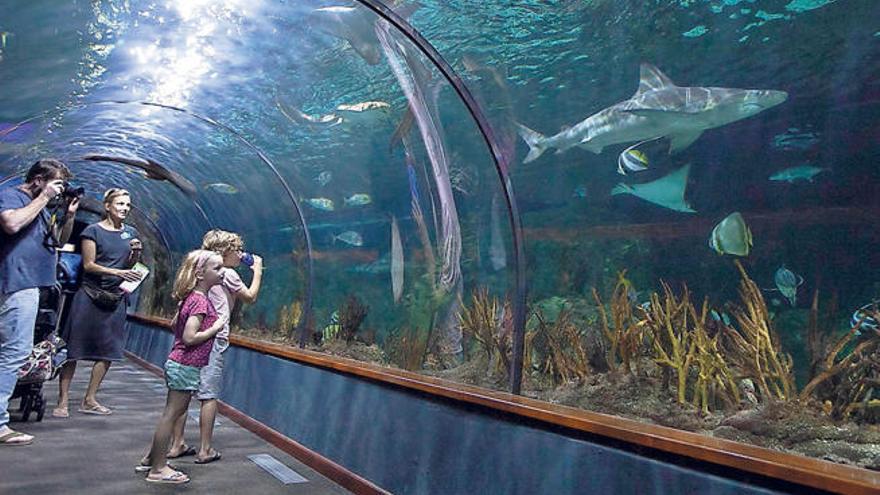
<point x="93" y="330"/>
<point x="27" y="262"/>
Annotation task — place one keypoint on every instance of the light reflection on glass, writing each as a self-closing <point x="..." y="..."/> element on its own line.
<point x="175" y="71"/>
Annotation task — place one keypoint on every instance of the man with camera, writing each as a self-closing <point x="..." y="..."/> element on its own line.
<point x="29" y="234"/>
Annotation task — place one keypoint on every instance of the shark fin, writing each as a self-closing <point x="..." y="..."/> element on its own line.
<point x="535" y="140"/>
<point x="682" y="140"/>
<point x="651" y="78"/>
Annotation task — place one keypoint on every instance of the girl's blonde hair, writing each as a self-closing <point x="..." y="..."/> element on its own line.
<point x="222" y="241"/>
<point x="187" y="275"/>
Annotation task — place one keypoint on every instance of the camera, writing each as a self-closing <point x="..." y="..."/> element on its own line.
<point x="71" y="192"/>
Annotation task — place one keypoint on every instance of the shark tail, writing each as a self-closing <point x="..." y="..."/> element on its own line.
<point x="536" y="141"/>
<point x="621" y="189"/>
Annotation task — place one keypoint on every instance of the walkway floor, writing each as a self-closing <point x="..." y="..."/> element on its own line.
<point x="96" y="455"/>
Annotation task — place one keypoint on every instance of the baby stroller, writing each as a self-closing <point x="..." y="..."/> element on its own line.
<point x="49" y="353"/>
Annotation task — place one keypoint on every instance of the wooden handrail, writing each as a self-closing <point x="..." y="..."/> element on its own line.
<point x="814" y="473"/>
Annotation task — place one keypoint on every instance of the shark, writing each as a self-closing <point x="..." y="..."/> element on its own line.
<point x="658" y="108"/>
<point x="667" y="191"/>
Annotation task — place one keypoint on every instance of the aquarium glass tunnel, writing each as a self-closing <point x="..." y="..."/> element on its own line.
<point x="661" y="211"/>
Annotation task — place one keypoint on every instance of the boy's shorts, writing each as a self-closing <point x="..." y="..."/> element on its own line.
<point x="181" y="377"/>
<point x="211" y="378"/>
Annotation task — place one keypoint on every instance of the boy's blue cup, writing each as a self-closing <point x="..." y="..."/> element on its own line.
<point x="247" y="259"/>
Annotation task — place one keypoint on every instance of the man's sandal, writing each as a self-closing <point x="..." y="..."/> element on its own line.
<point x="16" y="439"/>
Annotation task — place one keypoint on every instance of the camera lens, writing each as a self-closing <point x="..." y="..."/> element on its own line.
<point x="73" y="192"/>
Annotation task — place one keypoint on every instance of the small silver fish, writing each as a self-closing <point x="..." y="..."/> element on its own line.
<point x="350" y="237"/>
<point x="359" y="199"/>
<point x="795" y="139"/>
<point x="787" y="282"/>
<point x="324" y="204"/>
<point x="222" y="188"/>
<point x="324" y="178"/>
<point x="801" y="172"/>
<point x="580" y="191"/>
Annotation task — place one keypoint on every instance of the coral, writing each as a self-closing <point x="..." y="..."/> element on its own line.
<point x="714" y="377"/>
<point x="556" y="349"/>
<point x="481" y="320"/>
<point x="626" y="333"/>
<point x="819" y="331"/>
<point x="754" y="347"/>
<point x="682" y="343"/>
<point x="351" y="315"/>
<point x="853" y="377"/>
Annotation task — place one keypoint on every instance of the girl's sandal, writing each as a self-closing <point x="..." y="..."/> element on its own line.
<point x="175" y="478"/>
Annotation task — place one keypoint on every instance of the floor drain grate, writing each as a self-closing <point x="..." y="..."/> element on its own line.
<point x="274" y="467"/>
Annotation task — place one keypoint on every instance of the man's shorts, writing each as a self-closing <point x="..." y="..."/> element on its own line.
<point x="181" y="377"/>
<point x="212" y="374"/>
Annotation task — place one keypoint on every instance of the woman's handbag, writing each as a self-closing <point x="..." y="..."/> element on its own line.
<point x="104" y="299"/>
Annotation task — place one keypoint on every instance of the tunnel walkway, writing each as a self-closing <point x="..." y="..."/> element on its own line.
<point x="96" y="455"/>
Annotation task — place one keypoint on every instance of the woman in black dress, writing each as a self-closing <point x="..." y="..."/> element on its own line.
<point x="94" y="329"/>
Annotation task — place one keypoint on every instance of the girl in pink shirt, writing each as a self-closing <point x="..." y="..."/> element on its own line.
<point x="195" y="326"/>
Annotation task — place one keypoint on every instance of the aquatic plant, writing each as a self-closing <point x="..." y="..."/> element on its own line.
<point x="288" y="317"/>
<point x="625" y="333"/>
<point x="481" y="320"/>
<point x="351" y="315"/>
<point x="555" y="349"/>
<point x="754" y="347"/>
<point x="406" y="347"/>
